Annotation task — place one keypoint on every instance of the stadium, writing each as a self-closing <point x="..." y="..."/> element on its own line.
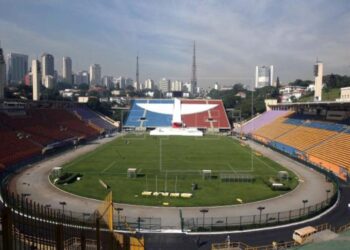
<point x="174" y="170"/>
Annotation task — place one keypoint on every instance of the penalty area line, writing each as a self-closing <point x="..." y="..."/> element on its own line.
<point x="109" y="166"/>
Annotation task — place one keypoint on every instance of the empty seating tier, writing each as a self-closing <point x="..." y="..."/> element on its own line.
<point x="274" y="129"/>
<point x="303" y="138"/>
<point x="335" y="150"/>
<point x="152" y="113"/>
<point x="91" y="117"/>
<point x="25" y="136"/>
<point x="262" y="120"/>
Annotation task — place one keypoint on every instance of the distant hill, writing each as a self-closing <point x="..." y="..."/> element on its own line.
<point x="327" y="95"/>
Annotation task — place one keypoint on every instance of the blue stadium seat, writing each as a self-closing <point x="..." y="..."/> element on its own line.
<point x="140" y="117"/>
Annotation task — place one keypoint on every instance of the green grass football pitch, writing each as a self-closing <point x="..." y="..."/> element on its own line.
<point x="172" y="164"/>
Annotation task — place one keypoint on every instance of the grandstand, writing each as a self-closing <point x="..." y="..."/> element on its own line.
<point x="202" y="114"/>
<point x="317" y="133"/>
<point x="28" y="130"/>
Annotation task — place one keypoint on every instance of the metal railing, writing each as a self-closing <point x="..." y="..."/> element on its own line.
<point x="205" y="223"/>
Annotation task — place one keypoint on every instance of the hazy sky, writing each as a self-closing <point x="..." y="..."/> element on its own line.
<point x="231" y="36"/>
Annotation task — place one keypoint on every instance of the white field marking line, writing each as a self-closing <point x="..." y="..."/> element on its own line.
<point x="84" y="156"/>
<point x="109" y="166"/>
<point x="248" y="152"/>
<point x="265" y="163"/>
<point x="90" y="152"/>
<point x="230" y="166"/>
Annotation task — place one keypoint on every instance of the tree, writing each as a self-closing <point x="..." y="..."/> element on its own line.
<point x="83" y="86"/>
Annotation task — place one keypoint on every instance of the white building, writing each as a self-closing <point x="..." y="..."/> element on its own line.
<point x="291" y="93"/>
<point x="164" y="85"/>
<point x="95" y="74"/>
<point x="149" y="84"/>
<point x="67" y="69"/>
<point x="2" y="74"/>
<point x="318" y="73"/>
<point x="188" y="87"/>
<point x="344" y="94"/>
<point x="136" y="86"/>
<point x="264" y="76"/>
<point x="121" y="82"/>
<point x="108" y="82"/>
<point x="48" y="81"/>
<point x="36" y="79"/>
<point x="176" y="85"/>
<point x="48" y="66"/>
<point x="216" y="86"/>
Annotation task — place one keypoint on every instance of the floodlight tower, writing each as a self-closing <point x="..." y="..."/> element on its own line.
<point x="318" y="73"/>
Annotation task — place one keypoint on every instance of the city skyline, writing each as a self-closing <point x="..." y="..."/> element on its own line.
<point x="231" y="37"/>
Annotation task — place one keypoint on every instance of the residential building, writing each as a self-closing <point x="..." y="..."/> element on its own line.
<point x="264" y="76"/>
<point x="17" y="67"/>
<point x="2" y="74"/>
<point x="164" y="85"/>
<point x="176" y="85"/>
<point x="149" y="84"/>
<point x="48" y="67"/>
<point x="95" y="74"/>
<point x="67" y="70"/>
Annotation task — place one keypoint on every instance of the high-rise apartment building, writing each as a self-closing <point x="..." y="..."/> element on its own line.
<point x="48" y="69"/>
<point x="36" y="79"/>
<point x="95" y="74"/>
<point x="2" y="74"/>
<point x="129" y="82"/>
<point x="263" y="76"/>
<point x="149" y="84"/>
<point x="176" y="85"/>
<point x="82" y="77"/>
<point x="107" y="81"/>
<point x="67" y="70"/>
<point x="17" y="67"/>
<point x="164" y="85"/>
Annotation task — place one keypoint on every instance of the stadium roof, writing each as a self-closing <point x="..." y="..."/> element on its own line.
<point x="321" y="104"/>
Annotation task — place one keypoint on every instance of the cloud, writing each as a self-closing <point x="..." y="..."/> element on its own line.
<point x="231" y="36"/>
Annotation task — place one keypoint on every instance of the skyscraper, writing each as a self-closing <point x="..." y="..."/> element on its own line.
<point x="48" y="69"/>
<point x="36" y="78"/>
<point x="2" y="74"/>
<point x="17" y="67"/>
<point x="95" y="74"/>
<point x="82" y="77"/>
<point x="67" y="69"/>
<point x="318" y="73"/>
<point x="194" y="69"/>
<point x="263" y="76"/>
